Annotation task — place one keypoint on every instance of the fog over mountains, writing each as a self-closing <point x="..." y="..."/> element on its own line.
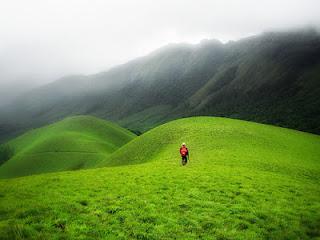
<point x="270" y="78"/>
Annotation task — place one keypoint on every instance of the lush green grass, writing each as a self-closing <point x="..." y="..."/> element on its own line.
<point x="74" y="143"/>
<point x="244" y="181"/>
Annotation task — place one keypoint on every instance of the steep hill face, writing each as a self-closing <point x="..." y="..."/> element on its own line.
<point x="74" y="143"/>
<point x="271" y="78"/>
<point x="276" y="80"/>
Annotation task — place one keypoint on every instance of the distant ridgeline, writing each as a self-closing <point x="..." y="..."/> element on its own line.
<point x="271" y="78"/>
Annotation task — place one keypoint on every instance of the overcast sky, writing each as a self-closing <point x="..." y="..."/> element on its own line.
<point x="47" y="39"/>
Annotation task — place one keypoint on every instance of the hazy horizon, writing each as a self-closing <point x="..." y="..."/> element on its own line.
<point x="41" y="41"/>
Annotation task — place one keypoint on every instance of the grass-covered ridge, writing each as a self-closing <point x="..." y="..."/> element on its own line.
<point x="73" y="143"/>
<point x="227" y="142"/>
<point x="244" y="181"/>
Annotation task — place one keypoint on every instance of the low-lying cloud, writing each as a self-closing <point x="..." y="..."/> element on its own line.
<point x="41" y="40"/>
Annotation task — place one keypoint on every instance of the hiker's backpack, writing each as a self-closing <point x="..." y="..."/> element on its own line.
<point x="184" y="151"/>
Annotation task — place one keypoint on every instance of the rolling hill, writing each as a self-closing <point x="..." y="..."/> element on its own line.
<point x="237" y="143"/>
<point x="73" y="143"/>
<point x="244" y="181"/>
<point x="270" y="78"/>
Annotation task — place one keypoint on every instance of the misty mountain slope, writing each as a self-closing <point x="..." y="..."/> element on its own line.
<point x="144" y="83"/>
<point x="270" y="78"/>
<point x="278" y="83"/>
<point x="10" y="91"/>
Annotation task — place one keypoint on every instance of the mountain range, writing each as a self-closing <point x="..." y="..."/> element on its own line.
<point x="270" y="78"/>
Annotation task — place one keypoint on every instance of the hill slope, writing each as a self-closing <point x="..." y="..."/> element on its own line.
<point x="73" y="143"/>
<point x="244" y="181"/>
<point x="270" y="78"/>
<point x="226" y="142"/>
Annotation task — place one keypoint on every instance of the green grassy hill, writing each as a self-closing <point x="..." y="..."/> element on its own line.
<point x="74" y="143"/>
<point x="244" y="181"/>
<point x="227" y="142"/>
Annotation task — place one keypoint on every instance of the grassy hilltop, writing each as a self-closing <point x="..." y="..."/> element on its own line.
<point x="244" y="181"/>
<point x="74" y="143"/>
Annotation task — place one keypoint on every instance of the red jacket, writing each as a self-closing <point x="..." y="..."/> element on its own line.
<point x="184" y="151"/>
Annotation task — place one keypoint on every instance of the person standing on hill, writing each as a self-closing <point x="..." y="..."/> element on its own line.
<point x="184" y="152"/>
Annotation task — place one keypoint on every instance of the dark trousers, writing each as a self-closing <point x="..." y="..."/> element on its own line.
<point x="184" y="160"/>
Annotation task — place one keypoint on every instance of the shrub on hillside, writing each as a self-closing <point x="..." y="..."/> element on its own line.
<point x="6" y="152"/>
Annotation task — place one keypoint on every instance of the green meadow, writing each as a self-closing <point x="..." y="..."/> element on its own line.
<point x="71" y="144"/>
<point x="244" y="181"/>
